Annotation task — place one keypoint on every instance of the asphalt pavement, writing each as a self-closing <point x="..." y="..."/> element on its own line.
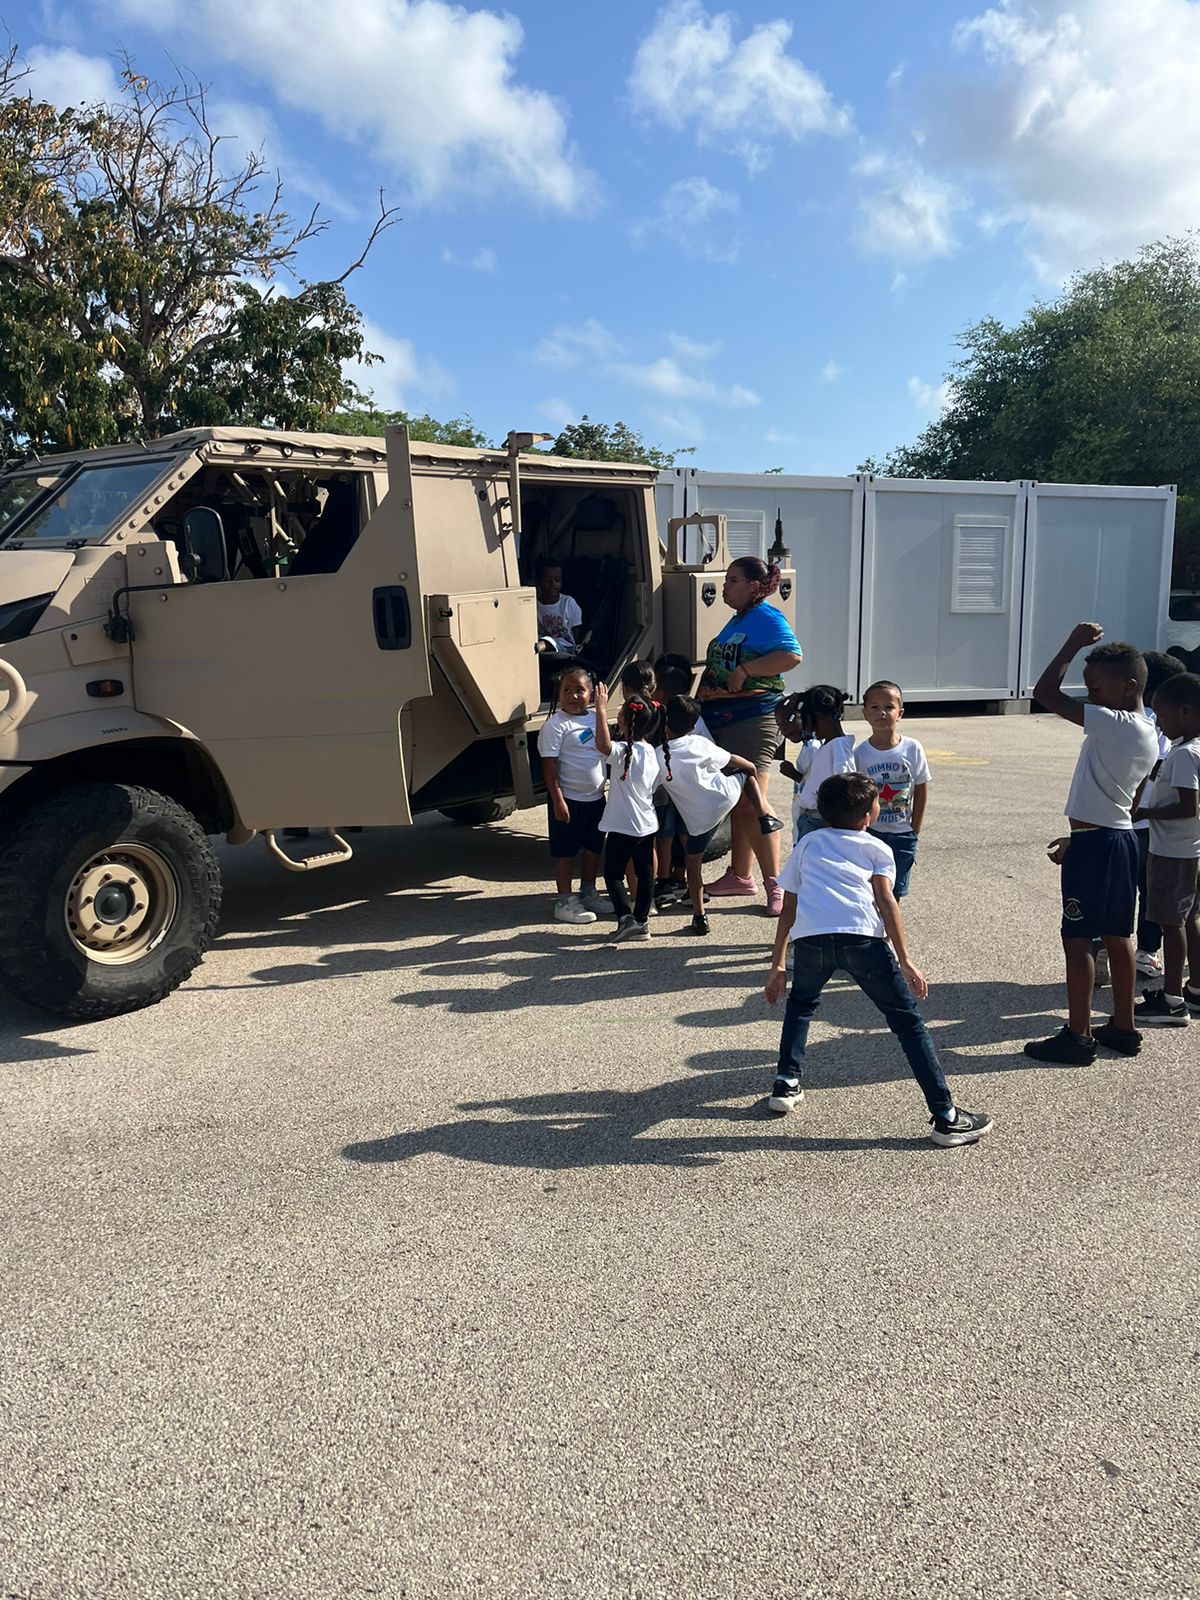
<point x="421" y="1246"/>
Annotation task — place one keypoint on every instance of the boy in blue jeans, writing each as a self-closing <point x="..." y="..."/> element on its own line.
<point x="841" y="914"/>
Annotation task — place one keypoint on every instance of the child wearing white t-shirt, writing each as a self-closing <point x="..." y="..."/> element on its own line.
<point x="901" y="774"/>
<point x="1171" y="804"/>
<point x="629" y="821"/>
<point x="559" y="618"/>
<point x="820" y="714"/>
<point x="1099" y="859"/>
<point x="839" y="913"/>
<point x="573" y="769"/>
<point x="704" y="783"/>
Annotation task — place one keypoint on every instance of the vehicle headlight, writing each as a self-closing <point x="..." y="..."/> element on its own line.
<point x="19" y="617"/>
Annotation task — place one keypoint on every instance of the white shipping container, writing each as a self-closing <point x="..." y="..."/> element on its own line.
<point x="958" y="591"/>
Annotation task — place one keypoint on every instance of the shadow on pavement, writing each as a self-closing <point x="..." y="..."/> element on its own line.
<point x="600" y="1127"/>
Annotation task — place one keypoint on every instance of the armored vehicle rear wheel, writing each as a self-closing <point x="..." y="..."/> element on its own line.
<point x="480" y="811"/>
<point x="109" y="897"/>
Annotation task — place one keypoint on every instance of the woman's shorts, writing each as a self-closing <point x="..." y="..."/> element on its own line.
<point x="582" y="832"/>
<point x="756" y="738"/>
<point x="1172" y="892"/>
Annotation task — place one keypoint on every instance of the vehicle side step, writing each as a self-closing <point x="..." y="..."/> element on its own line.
<point x="324" y="858"/>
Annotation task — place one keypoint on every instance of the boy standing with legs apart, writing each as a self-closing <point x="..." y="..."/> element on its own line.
<point x="1100" y="858"/>
<point x="1173" y="869"/>
<point x="901" y="775"/>
<point x="840" y="913"/>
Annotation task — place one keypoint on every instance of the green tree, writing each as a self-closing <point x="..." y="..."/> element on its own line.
<point x="139" y="276"/>
<point x="600" y="441"/>
<point x="1101" y="385"/>
<point x="367" y="421"/>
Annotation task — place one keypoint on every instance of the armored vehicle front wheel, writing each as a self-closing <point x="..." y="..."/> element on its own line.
<point x="481" y="811"/>
<point x="109" y="897"/>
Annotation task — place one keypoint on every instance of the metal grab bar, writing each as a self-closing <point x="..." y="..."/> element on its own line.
<point x="19" y="698"/>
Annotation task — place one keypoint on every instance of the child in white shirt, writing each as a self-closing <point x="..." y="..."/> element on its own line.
<point x="1171" y="804"/>
<point x="573" y="769"/>
<point x="839" y="912"/>
<point x="559" y="618"/>
<point x="1099" y="859"/>
<point x="820" y="713"/>
<point x="705" y="783"/>
<point x="629" y="821"/>
<point x="901" y="775"/>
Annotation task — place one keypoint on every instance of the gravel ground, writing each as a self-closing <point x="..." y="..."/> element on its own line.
<point x="423" y="1247"/>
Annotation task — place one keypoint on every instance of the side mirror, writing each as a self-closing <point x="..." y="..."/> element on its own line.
<point x="204" y="546"/>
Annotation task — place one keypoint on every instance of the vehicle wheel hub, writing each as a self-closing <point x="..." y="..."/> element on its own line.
<point x="120" y="903"/>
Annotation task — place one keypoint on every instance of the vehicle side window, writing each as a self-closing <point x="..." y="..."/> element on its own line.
<point x="277" y="523"/>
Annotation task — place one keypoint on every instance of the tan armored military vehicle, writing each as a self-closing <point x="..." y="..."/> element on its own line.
<point x="230" y="631"/>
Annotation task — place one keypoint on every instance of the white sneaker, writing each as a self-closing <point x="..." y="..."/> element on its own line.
<point x="596" y="900"/>
<point x="1149" y="965"/>
<point x="570" y="908"/>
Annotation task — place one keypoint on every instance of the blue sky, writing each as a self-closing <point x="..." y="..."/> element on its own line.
<point x="755" y="230"/>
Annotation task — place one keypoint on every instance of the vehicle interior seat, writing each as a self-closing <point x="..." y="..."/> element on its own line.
<point x="332" y="535"/>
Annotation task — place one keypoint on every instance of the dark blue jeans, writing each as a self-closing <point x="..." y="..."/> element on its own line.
<point x="873" y="967"/>
<point x="904" y="848"/>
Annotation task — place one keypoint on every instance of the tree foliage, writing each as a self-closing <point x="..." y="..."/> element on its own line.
<point x="139" y="276"/>
<point x="1101" y="385"/>
<point x="600" y="441"/>
<point x="368" y="421"/>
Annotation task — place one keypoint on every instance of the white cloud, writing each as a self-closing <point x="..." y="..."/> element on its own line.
<point x="831" y="371"/>
<point x="739" y="94"/>
<point x="67" y="77"/>
<point x="1088" y="122"/>
<point x="246" y="129"/>
<point x="697" y="350"/>
<point x="680" y="426"/>
<point x="931" y="398"/>
<point x="568" y="346"/>
<point x="428" y="87"/>
<point x="667" y="378"/>
<point x="557" y="413"/>
<point x="484" y="259"/>
<point x="908" y="215"/>
<point x="400" y="376"/>
<point x="693" y="215"/>
<point x="773" y="436"/>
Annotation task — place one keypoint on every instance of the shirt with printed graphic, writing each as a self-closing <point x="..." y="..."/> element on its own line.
<point x="760" y="632"/>
<point x="896" y="773"/>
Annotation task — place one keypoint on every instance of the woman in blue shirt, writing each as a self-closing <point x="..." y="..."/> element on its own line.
<point x="741" y="686"/>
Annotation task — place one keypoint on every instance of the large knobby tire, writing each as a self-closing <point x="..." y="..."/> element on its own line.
<point x="109" y="897"/>
<point x="480" y="811"/>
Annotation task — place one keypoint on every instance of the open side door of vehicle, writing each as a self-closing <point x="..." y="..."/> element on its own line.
<point x="295" y="684"/>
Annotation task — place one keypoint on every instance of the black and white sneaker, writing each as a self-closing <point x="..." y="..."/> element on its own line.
<point x="1154" y="1010"/>
<point x="1191" y="999"/>
<point x="698" y="926"/>
<point x="624" y="928"/>
<point x="784" y="1096"/>
<point x="961" y="1127"/>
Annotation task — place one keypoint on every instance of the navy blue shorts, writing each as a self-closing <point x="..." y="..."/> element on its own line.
<point x="670" y="823"/>
<point x="1099" y="884"/>
<point x="582" y="832"/>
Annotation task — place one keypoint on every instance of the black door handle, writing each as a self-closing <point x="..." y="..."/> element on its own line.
<point x="393" y="623"/>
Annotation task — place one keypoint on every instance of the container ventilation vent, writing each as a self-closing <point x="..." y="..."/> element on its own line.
<point x="979" y="580"/>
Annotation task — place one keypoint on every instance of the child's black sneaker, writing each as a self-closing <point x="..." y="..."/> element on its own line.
<point x="1154" y="1010"/>
<point x="1065" y="1048"/>
<point x="698" y="926"/>
<point x="960" y="1127"/>
<point x="1191" y="999"/>
<point x="1125" y="1041"/>
<point x="769" y="824"/>
<point x="624" y="928"/>
<point x="784" y="1096"/>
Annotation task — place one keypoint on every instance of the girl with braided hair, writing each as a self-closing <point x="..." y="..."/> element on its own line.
<point x="819" y="715"/>
<point x="635" y="769"/>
